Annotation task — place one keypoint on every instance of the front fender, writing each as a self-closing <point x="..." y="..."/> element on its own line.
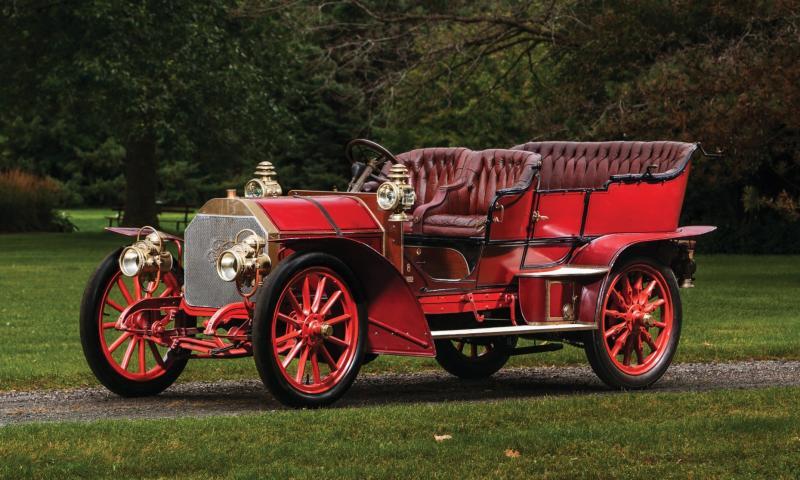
<point x="397" y="324"/>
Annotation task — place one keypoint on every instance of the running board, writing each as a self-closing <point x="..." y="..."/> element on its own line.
<point x="512" y="330"/>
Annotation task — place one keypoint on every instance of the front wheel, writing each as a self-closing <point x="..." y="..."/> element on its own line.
<point x="127" y="363"/>
<point x="309" y="330"/>
<point x="639" y="325"/>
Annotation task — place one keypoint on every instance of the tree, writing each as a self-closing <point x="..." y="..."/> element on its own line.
<point x="165" y="81"/>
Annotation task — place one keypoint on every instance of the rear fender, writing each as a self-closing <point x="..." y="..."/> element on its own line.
<point x="397" y="324"/>
<point x="605" y="251"/>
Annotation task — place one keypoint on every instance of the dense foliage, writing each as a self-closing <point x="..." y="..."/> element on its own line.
<point x="28" y="203"/>
<point x="202" y="91"/>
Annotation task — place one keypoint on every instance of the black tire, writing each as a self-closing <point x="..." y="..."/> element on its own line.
<point x="600" y="359"/>
<point x="483" y="365"/>
<point x="93" y="347"/>
<point x="265" y="358"/>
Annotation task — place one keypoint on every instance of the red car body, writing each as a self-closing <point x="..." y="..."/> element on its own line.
<point x="526" y="243"/>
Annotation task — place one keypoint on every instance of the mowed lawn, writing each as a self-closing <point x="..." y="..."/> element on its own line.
<point x="744" y="307"/>
<point x="724" y="434"/>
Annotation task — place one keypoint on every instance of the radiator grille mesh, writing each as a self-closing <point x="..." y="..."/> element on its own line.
<point x="205" y="238"/>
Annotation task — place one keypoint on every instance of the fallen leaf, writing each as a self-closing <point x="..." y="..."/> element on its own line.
<point x="442" y="438"/>
<point x="511" y="453"/>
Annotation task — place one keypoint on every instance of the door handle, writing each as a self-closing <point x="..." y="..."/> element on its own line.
<point x="538" y="216"/>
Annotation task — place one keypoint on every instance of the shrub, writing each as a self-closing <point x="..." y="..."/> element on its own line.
<point x="28" y="203"/>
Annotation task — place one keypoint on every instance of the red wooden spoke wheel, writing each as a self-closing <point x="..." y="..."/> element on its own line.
<point x="639" y="325"/>
<point x="129" y="363"/>
<point x="314" y="330"/>
<point x="309" y="330"/>
<point x="131" y="354"/>
<point x="474" y="358"/>
<point x="637" y="319"/>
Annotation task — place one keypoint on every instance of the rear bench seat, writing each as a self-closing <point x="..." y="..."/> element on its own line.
<point x="567" y="165"/>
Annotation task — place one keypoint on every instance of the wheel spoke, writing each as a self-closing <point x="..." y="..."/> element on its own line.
<point x="116" y="306"/>
<point x="288" y="319"/>
<point x="615" y="330"/>
<point x="107" y="325"/>
<point x="326" y="355"/>
<point x="301" y="365"/>
<point x="315" y="367"/>
<point x="142" y="362"/>
<point x="619" y="343"/>
<point x="337" y="341"/>
<point x="638" y="347"/>
<point x="619" y="298"/>
<point x="118" y="342"/>
<point x="653" y="305"/>
<point x="292" y="353"/>
<point x="318" y="295"/>
<point x="156" y="354"/>
<point x="626" y="357"/>
<point x="615" y="314"/>
<point x="287" y="337"/>
<point x="649" y="290"/>
<point x="637" y="286"/>
<point x="649" y="340"/>
<point x="295" y="304"/>
<point x="339" y="319"/>
<point x="306" y="295"/>
<point x="126" y="359"/>
<point x="331" y="300"/>
<point x="124" y="290"/>
<point x="660" y="324"/>
<point x="628" y="288"/>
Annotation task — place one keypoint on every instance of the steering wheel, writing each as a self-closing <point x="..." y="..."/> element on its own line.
<point x="368" y="159"/>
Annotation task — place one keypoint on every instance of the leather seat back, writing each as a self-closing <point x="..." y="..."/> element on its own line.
<point x="486" y="172"/>
<point x="567" y="165"/>
<point x="430" y="168"/>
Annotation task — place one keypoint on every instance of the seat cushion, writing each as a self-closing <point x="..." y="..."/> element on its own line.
<point x="454" y="225"/>
<point x="569" y="165"/>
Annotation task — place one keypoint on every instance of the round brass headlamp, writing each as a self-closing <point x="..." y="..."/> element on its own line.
<point x="397" y="195"/>
<point x="244" y="260"/>
<point x="145" y="256"/>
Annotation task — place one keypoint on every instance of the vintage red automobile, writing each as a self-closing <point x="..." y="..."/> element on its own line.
<point x="437" y="252"/>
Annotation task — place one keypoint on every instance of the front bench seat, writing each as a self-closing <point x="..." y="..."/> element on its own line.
<point x="461" y="209"/>
<point x="570" y="165"/>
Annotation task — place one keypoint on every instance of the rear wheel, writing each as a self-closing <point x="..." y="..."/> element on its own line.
<point x="309" y="330"/>
<point x="128" y="364"/>
<point x="639" y="325"/>
<point x="473" y="358"/>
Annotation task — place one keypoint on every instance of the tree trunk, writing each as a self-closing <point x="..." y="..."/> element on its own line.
<point x="141" y="182"/>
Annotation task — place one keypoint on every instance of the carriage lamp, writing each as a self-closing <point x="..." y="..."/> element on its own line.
<point x="396" y="194"/>
<point x="146" y="256"/>
<point x="243" y="261"/>
<point x="264" y="185"/>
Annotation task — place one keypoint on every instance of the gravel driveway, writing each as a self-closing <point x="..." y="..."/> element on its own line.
<point x="247" y="396"/>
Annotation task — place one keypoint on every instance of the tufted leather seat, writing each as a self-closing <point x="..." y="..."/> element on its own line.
<point x="461" y="210"/>
<point x="591" y="164"/>
<point x="431" y="168"/>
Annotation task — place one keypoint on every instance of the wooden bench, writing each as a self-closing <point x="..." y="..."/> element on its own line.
<point x="185" y="210"/>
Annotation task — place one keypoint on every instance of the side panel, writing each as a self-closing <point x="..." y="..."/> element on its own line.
<point x="564" y="212"/>
<point x="636" y="207"/>
<point x="397" y="324"/>
<point x="318" y="213"/>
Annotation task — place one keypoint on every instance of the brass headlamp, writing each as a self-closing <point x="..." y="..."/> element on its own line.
<point x="396" y="194"/>
<point x="246" y="261"/>
<point x="264" y="185"/>
<point x="146" y="256"/>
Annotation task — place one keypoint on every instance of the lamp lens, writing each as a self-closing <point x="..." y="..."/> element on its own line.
<point x="228" y="266"/>
<point x="130" y="262"/>
<point x="387" y="196"/>
<point x="253" y="189"/>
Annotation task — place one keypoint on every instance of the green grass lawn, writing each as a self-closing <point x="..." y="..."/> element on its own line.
<point x="724" y="434"/>
<point x="743" y="307"/>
